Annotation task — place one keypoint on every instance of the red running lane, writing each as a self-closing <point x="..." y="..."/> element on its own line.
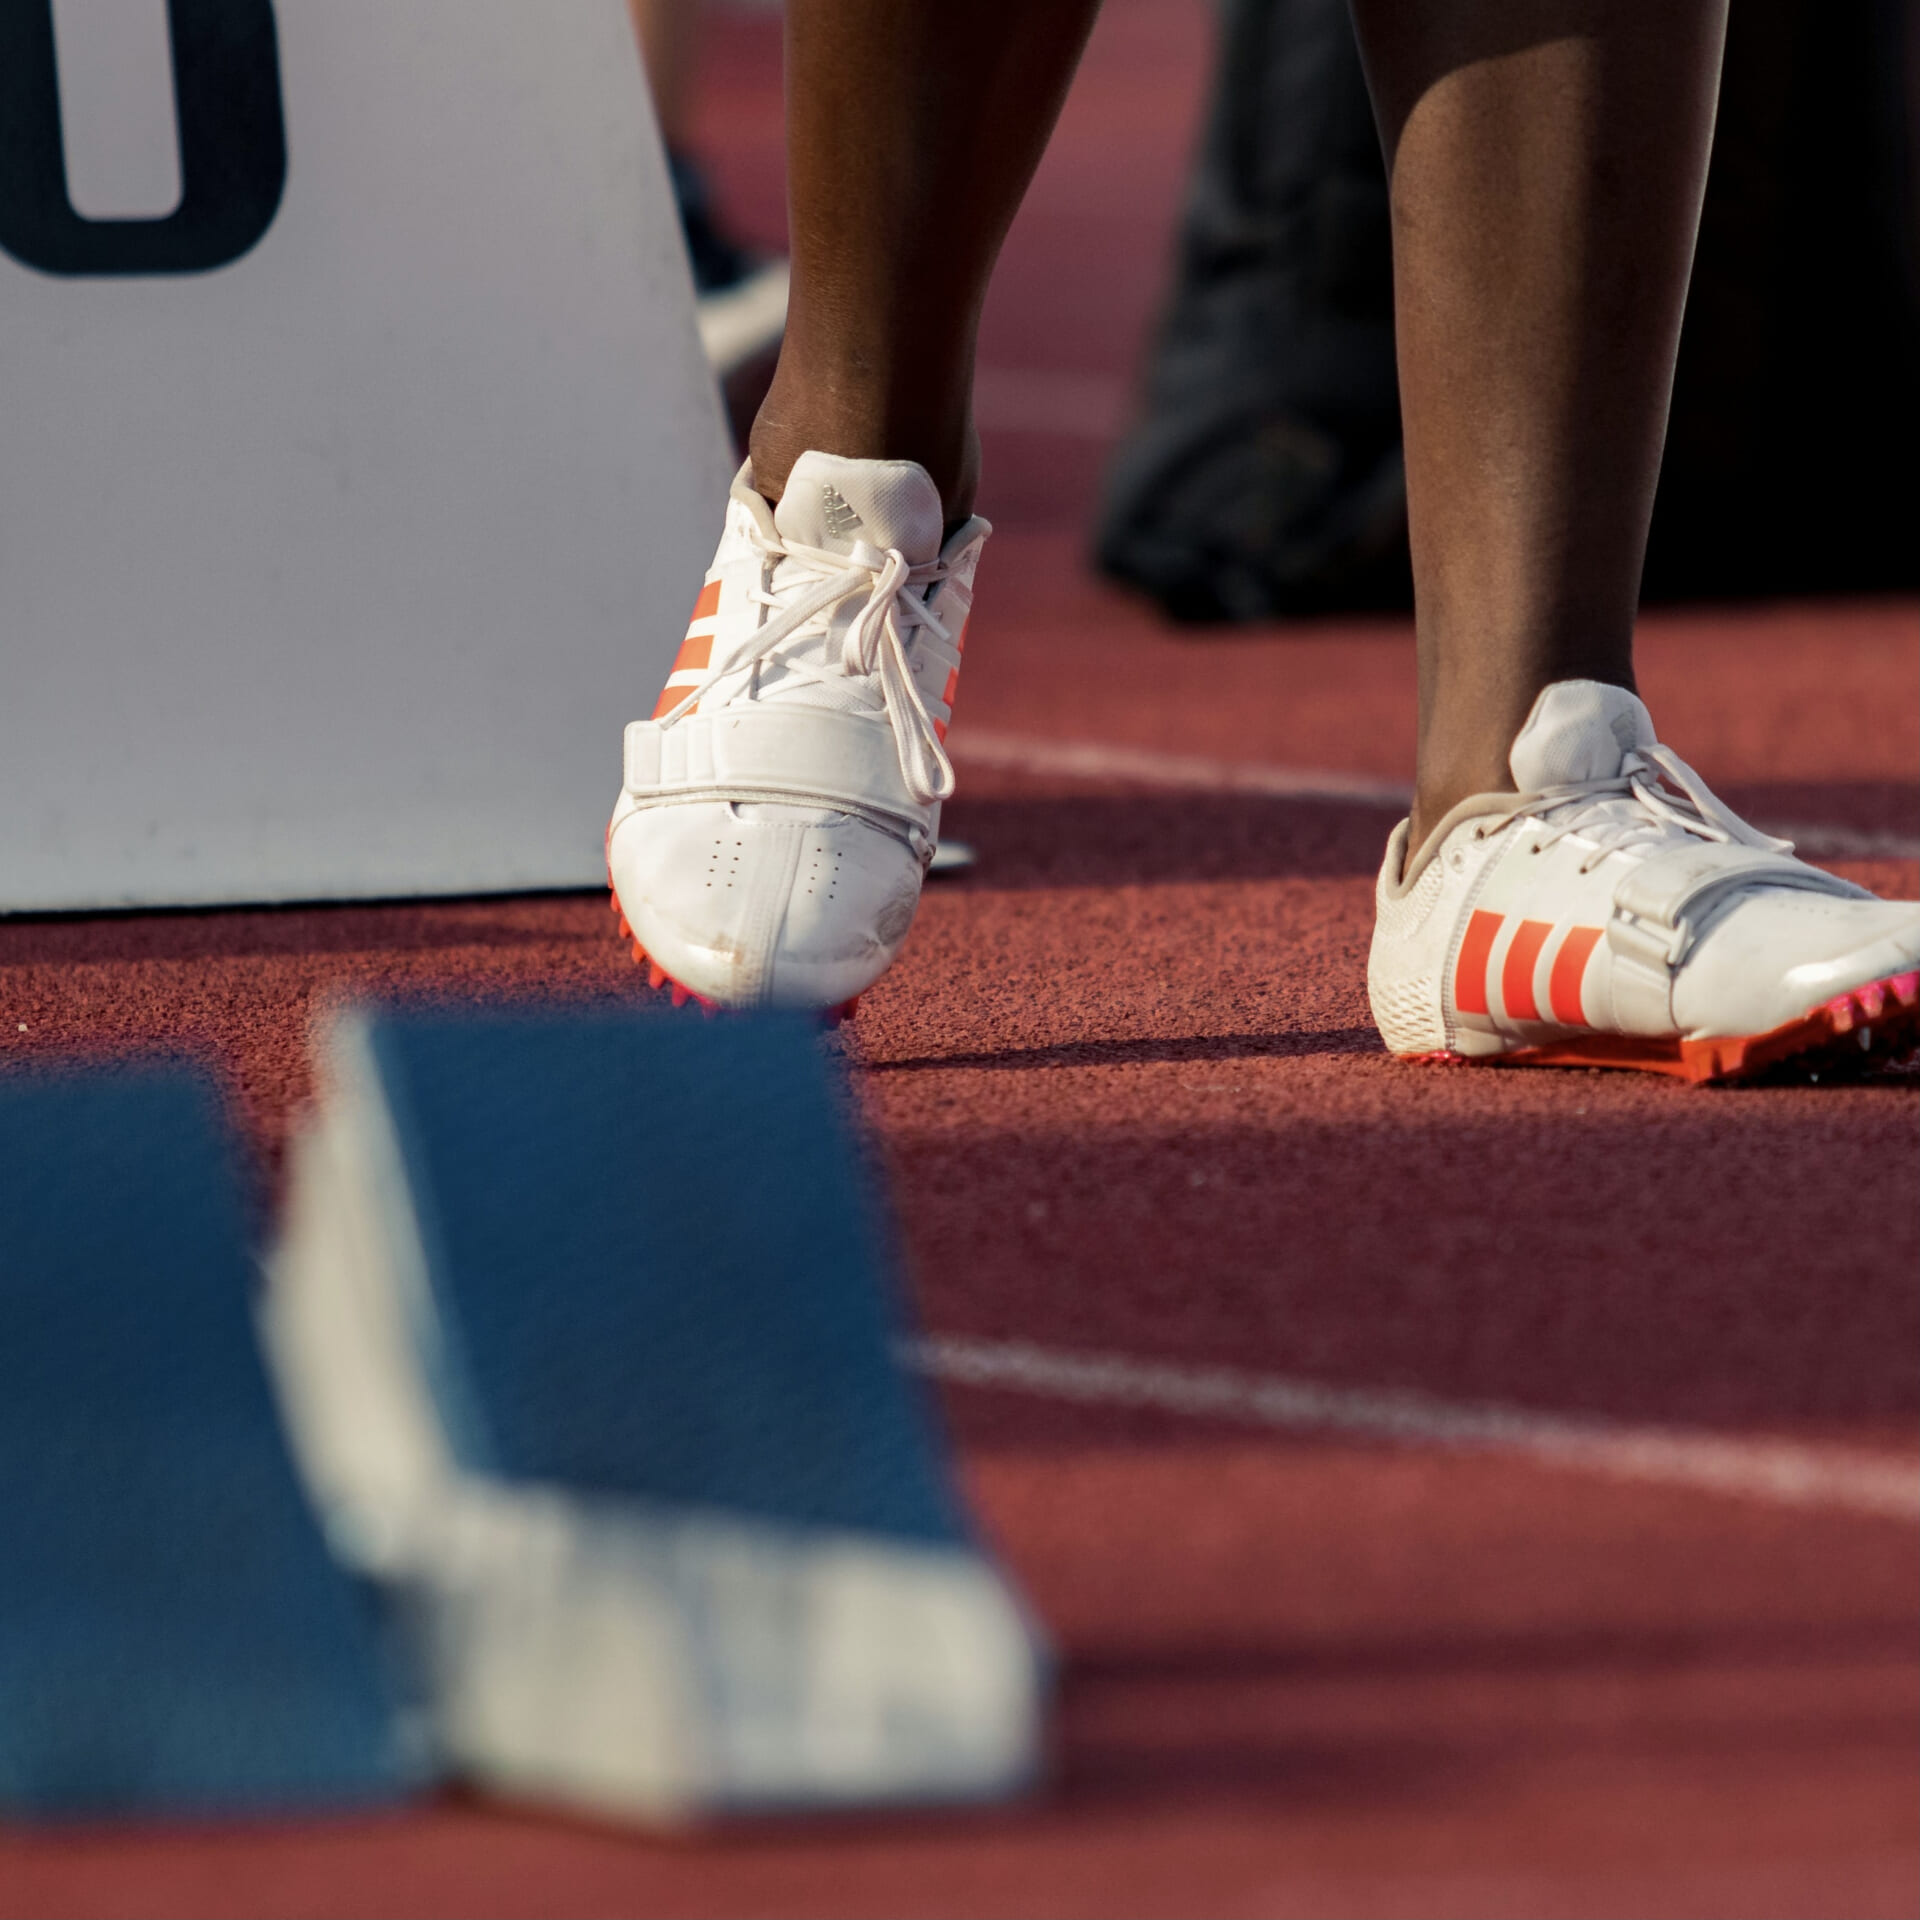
<point x="1132" y="1102"/>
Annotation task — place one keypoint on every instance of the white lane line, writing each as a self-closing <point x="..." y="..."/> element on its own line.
<point x="1091" y="760"/>
<point x="1095" y="760"/>
<point x="1848" y="843"/>
<point x="1780" y="1472"/>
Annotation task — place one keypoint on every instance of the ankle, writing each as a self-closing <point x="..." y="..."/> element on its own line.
<point x="794" y="420"/>
<point x="1439" y="789"/>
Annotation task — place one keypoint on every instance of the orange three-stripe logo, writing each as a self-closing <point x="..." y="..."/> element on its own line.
<point x="1472" y="972"/>
<point x="696" y="650"/>
<point x="953" y="683"/>
<point x="696" y="654"/>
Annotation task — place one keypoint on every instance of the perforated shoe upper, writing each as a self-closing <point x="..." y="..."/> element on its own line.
<point x="779" y="809"/>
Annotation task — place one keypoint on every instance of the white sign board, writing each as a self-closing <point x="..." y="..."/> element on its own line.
<point x="358" y="461"/>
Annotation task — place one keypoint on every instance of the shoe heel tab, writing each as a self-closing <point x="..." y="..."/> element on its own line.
<point x="1497" y="807"/>
<point x="1397" y="873"/>
<point x="745" y="495"/>
<point x="973" y="531"/>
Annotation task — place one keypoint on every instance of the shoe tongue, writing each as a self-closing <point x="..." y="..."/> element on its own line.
<point x="834" y="503"/>
<point x="1578" y="730"/>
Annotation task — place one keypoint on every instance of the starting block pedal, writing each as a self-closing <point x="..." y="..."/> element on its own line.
<point x="174" y="1637"/>
<point x="584" y="1332"/>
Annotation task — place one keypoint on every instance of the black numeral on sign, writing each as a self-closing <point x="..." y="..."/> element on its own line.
<point x="233" y="146"/>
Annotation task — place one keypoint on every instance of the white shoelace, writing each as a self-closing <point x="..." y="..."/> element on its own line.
<point x="877" y="641"/>
<point x="1654" y="795"/>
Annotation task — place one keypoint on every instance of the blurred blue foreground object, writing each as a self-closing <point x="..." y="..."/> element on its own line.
<point x="585" y="1328"/>
<point x="174" y="1637"/>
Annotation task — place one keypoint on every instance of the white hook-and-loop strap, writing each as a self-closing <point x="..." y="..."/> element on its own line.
<point x="789" y="754"/>
<point x="1658" y="902"/>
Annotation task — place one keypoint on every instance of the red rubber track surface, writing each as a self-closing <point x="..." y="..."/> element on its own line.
<point x="1127" y="1084"/>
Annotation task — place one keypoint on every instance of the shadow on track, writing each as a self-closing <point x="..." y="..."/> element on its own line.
<point x="411" y="926"/>
<point x="1160" y="836"/>
<point x="1156" y="1051"/>
<point x="1600" y="1648"/>
<point x="1157" y="837"/>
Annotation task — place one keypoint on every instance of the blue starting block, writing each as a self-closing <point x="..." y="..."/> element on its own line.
<point x="174" y="1636"/>
<point x="585" y="1327"/>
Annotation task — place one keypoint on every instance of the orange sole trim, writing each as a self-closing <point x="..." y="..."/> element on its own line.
<point x="1877" y="1024"/>
<point x="658" y="977"/>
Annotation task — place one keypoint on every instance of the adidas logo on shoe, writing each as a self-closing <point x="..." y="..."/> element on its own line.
<point x="840" y="517"/>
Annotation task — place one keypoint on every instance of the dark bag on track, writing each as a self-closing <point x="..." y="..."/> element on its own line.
<point x="1263" y="474"/>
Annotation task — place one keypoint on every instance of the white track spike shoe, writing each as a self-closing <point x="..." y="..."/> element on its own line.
<point x="781" y="806"/>
<point x="1613" y="913"/>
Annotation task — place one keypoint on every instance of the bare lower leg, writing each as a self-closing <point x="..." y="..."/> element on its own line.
<point x="668" y="30"/>
<point x="913" y="127"/>
<point x="1547" y="161"/>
